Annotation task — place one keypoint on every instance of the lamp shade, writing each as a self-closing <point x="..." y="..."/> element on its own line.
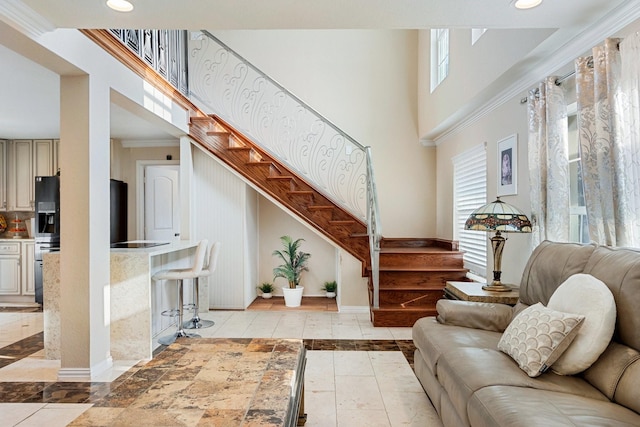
<point x="498" y="216"/>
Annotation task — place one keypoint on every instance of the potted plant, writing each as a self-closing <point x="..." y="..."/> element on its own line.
<point x="330" y="288"/>
<point x="267" y="290"/>
<point x="294" y="263"/>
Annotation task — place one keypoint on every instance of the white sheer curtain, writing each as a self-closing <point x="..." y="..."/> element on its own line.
<point x="548" y="163"/>
<point x="629" y="152"/>
<point x="608" y="126"/>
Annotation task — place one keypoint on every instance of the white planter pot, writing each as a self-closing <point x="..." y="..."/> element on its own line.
<point x="266" y="295"/>
<point x="292" y="297"/>
<point x="331" y="294"/>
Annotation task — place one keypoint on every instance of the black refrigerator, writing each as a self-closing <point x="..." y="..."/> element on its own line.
<point x="118" y="211"/>
<point x="47" y="225"/>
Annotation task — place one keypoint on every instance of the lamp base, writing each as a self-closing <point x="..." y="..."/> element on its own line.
<point x="496" y="287"/>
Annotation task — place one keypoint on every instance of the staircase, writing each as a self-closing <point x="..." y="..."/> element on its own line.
<point x="413" y="273"/>
<point x="282" y="184"/>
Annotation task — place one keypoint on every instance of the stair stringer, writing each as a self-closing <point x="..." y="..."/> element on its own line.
<point x="261" y="170"/>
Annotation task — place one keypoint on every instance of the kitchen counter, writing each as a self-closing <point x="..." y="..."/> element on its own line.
<point x="136" y="300"/>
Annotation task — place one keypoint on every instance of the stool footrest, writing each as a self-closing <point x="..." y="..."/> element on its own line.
<point x="174" y="312"/>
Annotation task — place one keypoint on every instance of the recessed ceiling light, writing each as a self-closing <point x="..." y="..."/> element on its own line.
<point x="527" y="4"/>
<point x="120" y="5"/>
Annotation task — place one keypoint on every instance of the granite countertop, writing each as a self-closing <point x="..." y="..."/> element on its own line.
<point x="22" y="239"/>
<point x="157" y="250"/>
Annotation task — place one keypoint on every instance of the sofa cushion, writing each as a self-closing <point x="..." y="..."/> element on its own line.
<point x="538" y="336"/>
<point x="517" y="406"/>
<point x="549" y="265"/>
<point x="619" y="268"/>
<point x="584" y="294"/>
<point x="477" y="315"/>
<point x="613" y="375"/>
<point x="464" y="371"/>
<point x="433" y="339"/>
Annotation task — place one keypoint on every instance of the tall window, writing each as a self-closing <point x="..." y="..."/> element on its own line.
<point x="469" y="193"/>
<point x="578" y="226"/>
<point x="439" y="56"/>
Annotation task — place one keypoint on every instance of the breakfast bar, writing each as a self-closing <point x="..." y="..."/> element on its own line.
<point x="136" y="301"/>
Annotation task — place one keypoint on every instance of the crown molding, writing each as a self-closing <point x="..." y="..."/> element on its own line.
<point x="612" y="23"/>
<point x="24" y="19"/>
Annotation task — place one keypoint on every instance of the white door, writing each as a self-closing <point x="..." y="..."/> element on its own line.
<point x="162" y="203"/>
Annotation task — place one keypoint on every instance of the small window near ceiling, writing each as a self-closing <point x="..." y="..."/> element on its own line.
<point x="578" y="226"/>
<point x="476" y="33"/>
<point x="439" y="56"/>
<point x="469" y="193"/>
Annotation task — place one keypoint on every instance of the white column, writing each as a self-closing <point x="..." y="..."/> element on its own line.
<point x="84" y="240"/>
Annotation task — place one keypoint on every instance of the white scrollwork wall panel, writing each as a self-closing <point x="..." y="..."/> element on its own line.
<point x="233" y="89"/>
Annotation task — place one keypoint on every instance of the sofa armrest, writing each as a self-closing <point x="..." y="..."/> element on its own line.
<point x="477" y="315"/>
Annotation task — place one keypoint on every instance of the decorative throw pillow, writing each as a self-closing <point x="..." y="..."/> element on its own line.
<point x="584" y="294"/>
<point x="537" y="337"/>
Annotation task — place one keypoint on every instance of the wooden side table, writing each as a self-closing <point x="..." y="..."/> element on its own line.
<point x="472" y="291"/>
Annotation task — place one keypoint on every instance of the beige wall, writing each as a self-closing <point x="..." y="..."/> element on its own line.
<point x="273" y="223"/>
<point x="124" y="168"/>
<point x="509" y="119"/>
<point x="366" y="83"/>
<point x="475" y="72"/>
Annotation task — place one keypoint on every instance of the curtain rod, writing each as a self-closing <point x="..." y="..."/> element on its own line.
<point x="561" y="79"/>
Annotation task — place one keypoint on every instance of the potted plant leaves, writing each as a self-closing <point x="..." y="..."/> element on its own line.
<point x="330" y="288"/>
<point x="294" y="262"/>
<point x="267" y="290"/>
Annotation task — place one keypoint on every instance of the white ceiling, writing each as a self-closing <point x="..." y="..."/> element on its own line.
<point x="28" y="90"/>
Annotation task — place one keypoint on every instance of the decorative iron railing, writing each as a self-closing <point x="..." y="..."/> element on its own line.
<point x="163" y="50"/>
<point x="374" y="229"/>
<point x="229" y="86"/>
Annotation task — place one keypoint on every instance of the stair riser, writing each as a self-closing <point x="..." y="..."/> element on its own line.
<point x="426" y="299"/>
<point x="390" y="279"/>
<point x="453" y="259"/>
<point x="399" y="318"/>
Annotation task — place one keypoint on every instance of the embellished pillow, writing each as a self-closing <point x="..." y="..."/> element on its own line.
<point x="586" y="295"/>
<point x="538" y="336"/>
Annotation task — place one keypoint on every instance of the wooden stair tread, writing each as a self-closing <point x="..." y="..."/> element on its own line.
<point x="280" y="177"/>
<point x="342" y="222"/>
<point x="320" y="207"/>
<point x="237" y="148"/>
<point x="426" y="269"/>
<point x="260" y="163"/>
<point x="217" y="133"/>
<point x="300" y="192"/>
<point x="412" y="288"/>
<point x="418" y="250"/>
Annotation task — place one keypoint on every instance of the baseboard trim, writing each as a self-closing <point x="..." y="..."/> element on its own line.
<point x="85" y="374"/>
<point x="353" y="309"/>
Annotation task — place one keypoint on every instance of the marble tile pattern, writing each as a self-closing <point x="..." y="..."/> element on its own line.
<point x="356" y="375"/>
<point x="207" y="381"/>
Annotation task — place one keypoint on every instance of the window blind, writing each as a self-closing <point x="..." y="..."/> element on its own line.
<point x="469" y="193"/>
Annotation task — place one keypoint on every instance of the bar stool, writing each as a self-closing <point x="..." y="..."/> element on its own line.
<point x="180" y="274"/>
<point x="196" y="322"/>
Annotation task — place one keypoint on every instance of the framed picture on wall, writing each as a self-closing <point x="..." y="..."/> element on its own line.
<point x="508" y="166"/>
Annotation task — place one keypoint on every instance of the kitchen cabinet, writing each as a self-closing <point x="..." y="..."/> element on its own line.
<point x="56" y="158"/>
<point x="28" y="283"/>
<point x="24" y="160"/>
<point x="3" y="174"/>
<point x="20" y="182"/>
<point x="43" y="157"/>
<point x="10" y="268"/>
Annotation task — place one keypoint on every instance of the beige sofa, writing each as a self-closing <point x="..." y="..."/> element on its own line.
<point x="471" y="383"/>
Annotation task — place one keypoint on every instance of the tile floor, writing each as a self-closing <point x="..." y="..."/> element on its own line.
<point x="356" y="375"/>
